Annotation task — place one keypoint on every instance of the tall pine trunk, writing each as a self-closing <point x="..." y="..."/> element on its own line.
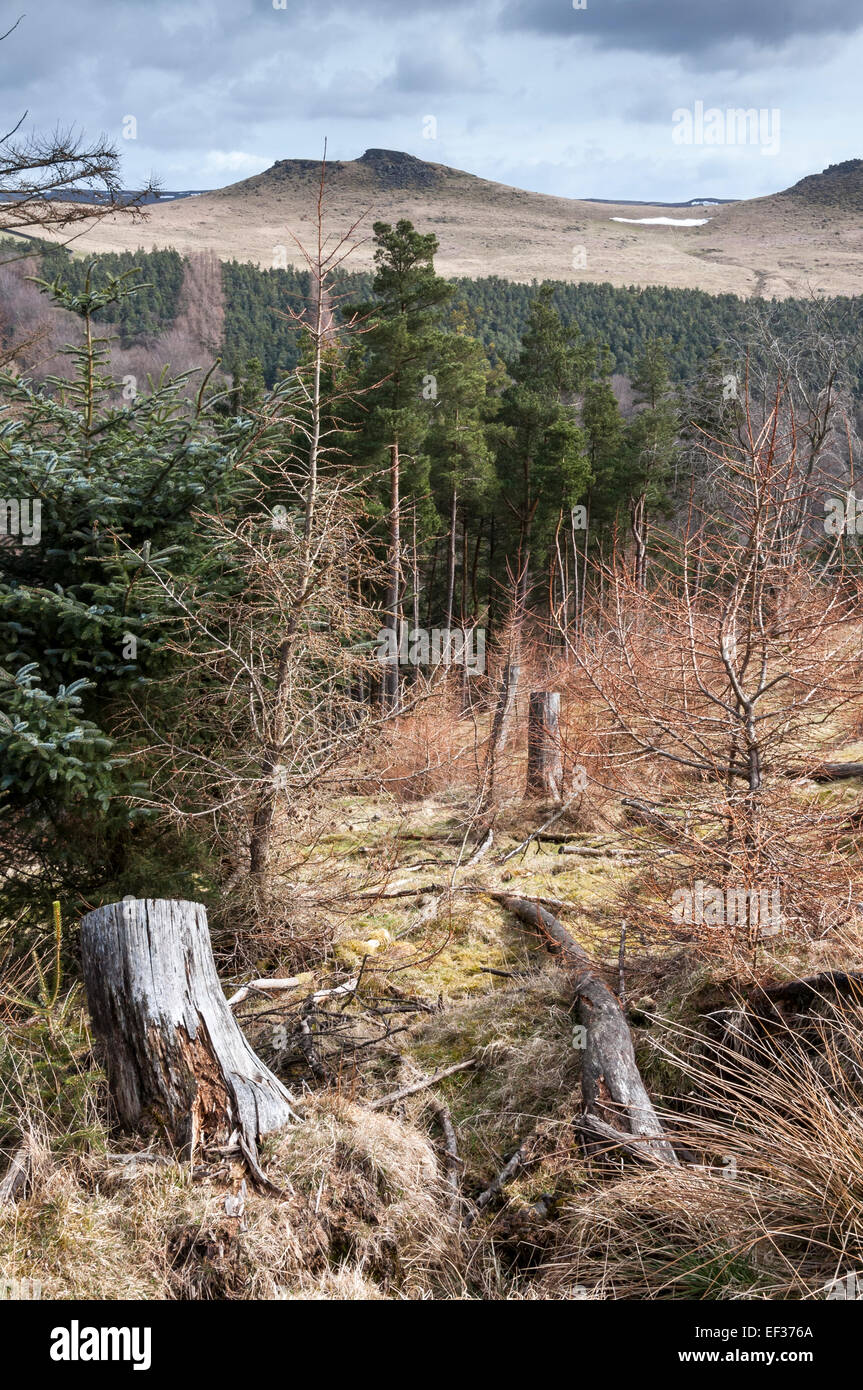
<point x="391" y="669"/>
<point x="450" y="576"/>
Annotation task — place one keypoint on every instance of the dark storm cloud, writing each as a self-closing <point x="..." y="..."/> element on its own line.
<point x="221" y="88"/>
<point x="686" y="27"/>
<point x="439" y="71"/>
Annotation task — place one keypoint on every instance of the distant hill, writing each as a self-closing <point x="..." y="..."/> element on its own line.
<point x="839" y="186"/>
<point x="806" y="239"/>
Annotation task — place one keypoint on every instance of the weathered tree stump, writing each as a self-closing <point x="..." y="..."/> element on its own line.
<point x="544" y="762"/>
<point x="175" y="1056"/>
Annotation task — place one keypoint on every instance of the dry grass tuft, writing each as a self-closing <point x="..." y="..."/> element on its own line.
<point x="773" y="1210"/>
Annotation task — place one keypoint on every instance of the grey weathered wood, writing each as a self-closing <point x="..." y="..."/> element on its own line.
<point x="18" y="1175"/>
<point x="544" y="763"/>
<point x="175" y="1056"/>
<point x="420" y="1085"/>
<point x="611" y="1086"/>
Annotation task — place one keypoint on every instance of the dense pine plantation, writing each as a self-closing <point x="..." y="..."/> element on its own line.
<point x="624" y="320"/>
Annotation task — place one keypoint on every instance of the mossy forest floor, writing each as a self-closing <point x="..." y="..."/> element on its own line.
<point x="364" y="1207"/>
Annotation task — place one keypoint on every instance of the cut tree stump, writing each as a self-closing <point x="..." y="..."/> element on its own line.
<point x="544" y="763"/>
<point x="175" y="1056"/>
<point x="612" y="1090"/>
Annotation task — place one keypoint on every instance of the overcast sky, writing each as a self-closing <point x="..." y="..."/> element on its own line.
<point x="537" y="93"/>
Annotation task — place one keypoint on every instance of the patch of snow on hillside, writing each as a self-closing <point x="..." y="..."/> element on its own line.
<point x="664" y="221"/>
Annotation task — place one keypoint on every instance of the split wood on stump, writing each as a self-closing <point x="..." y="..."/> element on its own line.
<point x="612" y="1090"/>
<point x="174" y="1053"/>
<point x="544" y="763"/>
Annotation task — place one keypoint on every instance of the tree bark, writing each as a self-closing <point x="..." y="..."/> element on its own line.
<point x="544" y="763"/>
<point x="612" y="1090"/>
<point x="638" y="526"/>
<point x="499" y="729"/>
<point x="450" y="560"/>
<point x="175" y="1056"/>
<point x="391" y="669"/>
<point x="505" y="706"/>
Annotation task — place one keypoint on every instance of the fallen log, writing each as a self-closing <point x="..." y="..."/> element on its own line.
<point x="611" y="1085"/>
<point x="590" y="852"/>
<point x="452" y="1162"/>
<point x="427" y="913"/>
<point x="565" y="837"/>
<point x="645" y="814"/>
<point x="606" y="1138"/>
<point x="175" y="1056"/>
<point x="827" y="772"/>
<point x="396" y="890"/>
<point x="481" y="850"/>
<point x="306" y="1045"/>
<point x="535" y="834"/>
<point x="133" y="1160"/>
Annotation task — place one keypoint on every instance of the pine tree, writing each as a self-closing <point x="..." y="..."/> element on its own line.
<point x="462" y="465"/>
<point x="111" y="472"/>
<point x="398" y="371"/>
<point x="652" y="448"/>
<point x="541" y="462"/>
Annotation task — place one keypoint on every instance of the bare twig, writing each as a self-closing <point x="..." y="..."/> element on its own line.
<point x="420" y="1085"/>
